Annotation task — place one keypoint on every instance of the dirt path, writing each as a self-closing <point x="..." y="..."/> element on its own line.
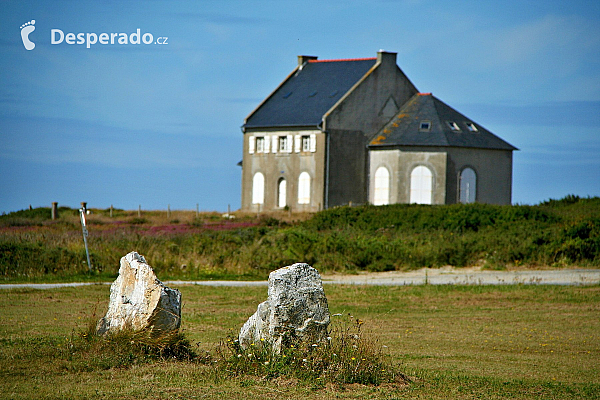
<point x="441" y="276"/>
<point x="471" y="276"/>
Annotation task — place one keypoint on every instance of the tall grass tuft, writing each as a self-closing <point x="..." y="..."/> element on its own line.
<point x="348" y="355"/>
<point x="87" y="351"/>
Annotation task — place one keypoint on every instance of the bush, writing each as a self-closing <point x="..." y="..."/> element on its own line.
<point x="367" y="238"/>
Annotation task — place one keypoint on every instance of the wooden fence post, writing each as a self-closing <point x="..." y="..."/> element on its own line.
<point x="54" y="210"/>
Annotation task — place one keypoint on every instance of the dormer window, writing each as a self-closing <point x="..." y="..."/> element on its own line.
<point x="425" y="126"/>
<point x="471" y="127"/>
<point x="453" y="126"/>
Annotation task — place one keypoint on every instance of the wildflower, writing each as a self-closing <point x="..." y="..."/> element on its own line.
<point x="250" y="355"/>
<point x="336" y="315"/>
<point x="335" y="355"/>
<point x="239" y="355"/>
<point x="328" y="337"/>
<point x="314" y="345"/>
<point x="304" y="360"/>
<point x="262" y="339"/>
<point x="353" y="358"/>
<point x="266" y="363"/>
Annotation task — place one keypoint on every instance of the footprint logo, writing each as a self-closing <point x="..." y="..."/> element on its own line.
<point x="26" y="29"/>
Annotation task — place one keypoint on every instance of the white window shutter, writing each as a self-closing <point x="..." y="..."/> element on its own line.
<point x="313" y="143"/>
<point x="289" y="143"/>
<point x="251" y="144"/>
<point x="297" y="143"/>
<point x="267" y="144"/>
<point x="274" y="143"/>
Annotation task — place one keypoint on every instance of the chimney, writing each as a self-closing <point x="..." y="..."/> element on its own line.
<point x="305" y="59"/>
<point x="386" y="57"/>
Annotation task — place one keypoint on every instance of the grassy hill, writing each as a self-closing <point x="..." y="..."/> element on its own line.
<point x="184" y="245"/>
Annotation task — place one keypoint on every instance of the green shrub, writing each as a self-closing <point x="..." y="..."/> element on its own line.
<point x="344" y="239"/>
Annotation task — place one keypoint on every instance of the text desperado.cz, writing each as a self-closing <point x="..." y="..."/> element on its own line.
<point x="57" y="37"/>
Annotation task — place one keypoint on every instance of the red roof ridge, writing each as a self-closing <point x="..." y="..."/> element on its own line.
<point x="344" y="59"/>
<point x="424" y="94"/>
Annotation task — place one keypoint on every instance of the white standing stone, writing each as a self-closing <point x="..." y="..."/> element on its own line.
<point x="138" y="300"/>
<point x="296" y="306"/>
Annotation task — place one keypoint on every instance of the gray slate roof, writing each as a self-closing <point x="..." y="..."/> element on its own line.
<point x="309" y="93"/>
<point x="404" y="129"/>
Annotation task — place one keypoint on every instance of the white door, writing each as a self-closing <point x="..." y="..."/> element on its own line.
<point x="281" y="193"/>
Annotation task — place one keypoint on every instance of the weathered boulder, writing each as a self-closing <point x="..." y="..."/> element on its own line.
<point x="139" y="301"/>
<point x="296" y="308"/>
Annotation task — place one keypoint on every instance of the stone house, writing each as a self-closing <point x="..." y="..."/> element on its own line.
<point x="353" y="131"/>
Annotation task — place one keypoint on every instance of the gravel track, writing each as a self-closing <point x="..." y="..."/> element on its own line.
<point x="441" y="276"/>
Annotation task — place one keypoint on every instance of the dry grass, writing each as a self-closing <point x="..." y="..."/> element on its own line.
<point x="520" y="342"/>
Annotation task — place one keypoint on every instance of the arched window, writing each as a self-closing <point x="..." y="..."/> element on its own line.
<point x="258" y="188"/>
<point x="304" y="188"/>
<point x="421" y="185"/>
<point x="281" y="193"/>
<point x="468" y="186"/>
<point x="382" y="187"/>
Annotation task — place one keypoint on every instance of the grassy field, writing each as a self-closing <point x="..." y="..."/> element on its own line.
<point x="456" y="342"/>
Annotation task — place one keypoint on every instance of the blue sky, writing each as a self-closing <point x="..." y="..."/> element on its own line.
<point x="157" y="125"/>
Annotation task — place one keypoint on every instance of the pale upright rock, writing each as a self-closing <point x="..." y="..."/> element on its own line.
<point x="296" y="308"/>
<point x="138" y="300"/>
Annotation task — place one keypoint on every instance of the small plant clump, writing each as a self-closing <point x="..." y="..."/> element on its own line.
<point x="348" y="355"/>
<point x="86" y="350"/>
